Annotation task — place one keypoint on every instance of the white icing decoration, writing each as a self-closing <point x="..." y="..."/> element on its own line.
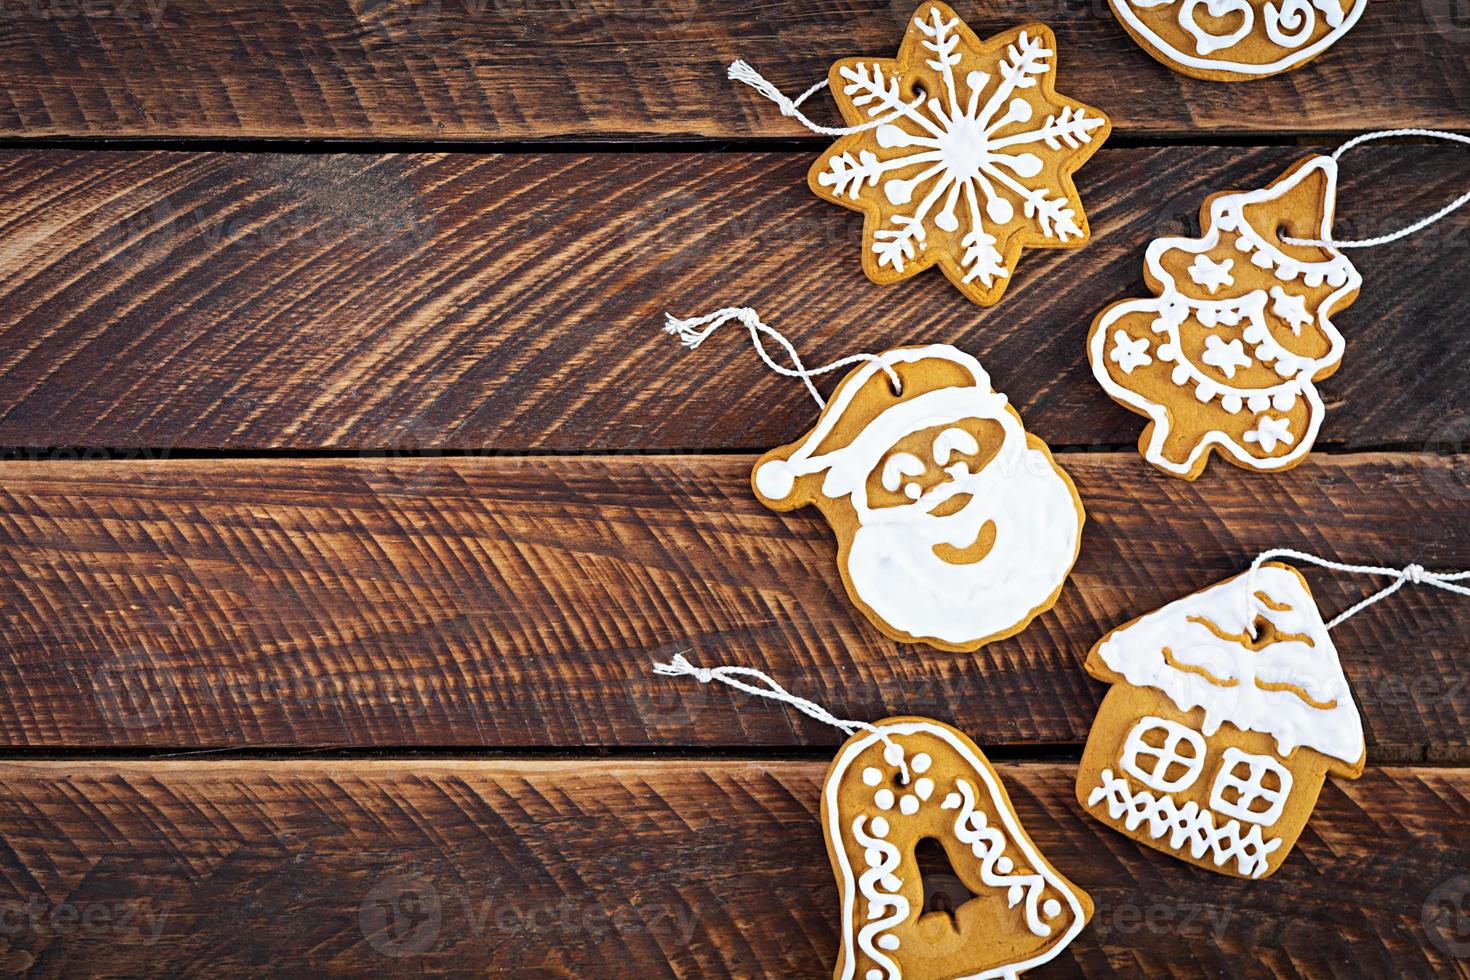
<point x="909" y="805"/>
<point x="879" y="827"/>
<point x="891" y="562"/>
<point x="883" y="799"/>
<point x="1130" y="353"/>
<point x="1136" y="651"/>
<point x="1154" y="773"/>
<point x="962" y="152"/>
<point x="1270" y="431"/>
<point x="921" y="763"/>
<point x="880" y="889"/>
<point x="1291" y="308"/>
<point x="1228" y="356"/>
<point x="871" y="776"/>
<point x="893" y="754"/>
<point x="1250" y="788"/>
<point x="1211" y="274"/>
<point x="987" y="841"/>
<point x="900" y="465"/>
<point x="1289" y="27"/>
<point x="1189" y="825"/>
<point x="924" y="788"/>
<point x="1172" y="308"/>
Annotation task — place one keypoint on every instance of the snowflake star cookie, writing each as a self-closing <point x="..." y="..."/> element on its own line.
<point x="1228" y="353"/>
<point x="954" y="526"/>
<point x="974" y="160"/>
<point x="1213" y="744"/>
<point x="1236" y="40"/>
<point x="1001" y="911"/>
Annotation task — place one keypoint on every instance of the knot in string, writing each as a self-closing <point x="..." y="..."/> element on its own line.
<point x="1411" y="574"/>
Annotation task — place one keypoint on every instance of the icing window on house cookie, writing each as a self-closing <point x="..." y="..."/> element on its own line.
<point x="1163" y="754"/>
<point x="1253" y="788"/>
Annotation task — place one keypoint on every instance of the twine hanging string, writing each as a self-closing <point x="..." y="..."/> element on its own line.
<point x="1392" y="236"/>
<point x="694" y="331"/>
<point x="1410" y="574"/>
<point x="791" y="108"/>
<point x="731" y="676"/>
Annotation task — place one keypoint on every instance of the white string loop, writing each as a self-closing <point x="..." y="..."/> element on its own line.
<point x="730" y="676"/>
<point x="1393" y="236"/>
<point x="742" y="72"/>
<point x="694" y="331"/>
<point x="1413" y="574"/>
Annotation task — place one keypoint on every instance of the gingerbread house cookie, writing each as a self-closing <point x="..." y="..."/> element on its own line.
<point x="1236" y="40"/>
<point x="1213" y="744"/>
<point x="954" y="526"/>
<point x="1021" y="912"/>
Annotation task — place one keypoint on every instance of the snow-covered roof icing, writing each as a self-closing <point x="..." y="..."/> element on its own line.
<point x="1289" y="684"/>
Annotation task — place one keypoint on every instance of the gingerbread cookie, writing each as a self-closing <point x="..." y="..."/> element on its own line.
<point x="1019" y="913"/>
<point x="1228" y="352"/>
<point x="1213" y="744"/>
<point x="954" y="526"/>
<point x="1236" y="40"/>
<point x="974" y="160"/>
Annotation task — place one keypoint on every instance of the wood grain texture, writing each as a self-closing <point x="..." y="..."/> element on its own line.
<point x="222" y="301"/>
<point x="620" y="869"/>
<point x="515" y="69"/>
<point x="522" y="601"/>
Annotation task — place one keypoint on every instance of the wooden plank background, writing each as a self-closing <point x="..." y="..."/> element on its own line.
<point x="350" y="489"/>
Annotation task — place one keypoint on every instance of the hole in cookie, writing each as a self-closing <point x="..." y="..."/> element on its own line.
<point x="944" y="893"/>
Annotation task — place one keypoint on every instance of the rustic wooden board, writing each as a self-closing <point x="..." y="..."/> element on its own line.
<point x="693" y="868"/>
<point x="521" y="602"/>
<point x="483" y="69"/>
<point x="229" y="301"/>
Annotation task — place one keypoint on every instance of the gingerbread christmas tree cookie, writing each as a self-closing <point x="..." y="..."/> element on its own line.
<point x="1236" y="40"/>
<point x="973" y="159"/>
<point x="908" y="780"/>
<point x="954" y="526"/>
<point x="1228" y="352"/>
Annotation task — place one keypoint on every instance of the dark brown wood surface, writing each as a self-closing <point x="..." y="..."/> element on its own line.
<point x="691" y="869"/>
<point x="523" y="601"/>
<point x="407" y="491"/>
<point x="427" y="302"/>
<point x="518" y="69"/>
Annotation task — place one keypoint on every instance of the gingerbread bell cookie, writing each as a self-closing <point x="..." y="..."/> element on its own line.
<point x="1228" y="710"/>
<point x="1236" y="40"/>
<point x="994" y="906"/>
<point x="1227" y="353"/>
<point x="954" y="526"/>
<point x="959" y="152"/>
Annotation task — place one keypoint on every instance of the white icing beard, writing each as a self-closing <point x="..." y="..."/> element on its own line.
<point x="891" y="562"/>
<point x="894" y="570"/>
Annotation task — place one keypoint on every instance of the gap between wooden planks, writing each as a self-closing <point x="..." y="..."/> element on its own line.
<point x="696" y="868"/>
<point x="526" y="69"/>
<point x="521" y="602"/>
<point x="429" y="301"/>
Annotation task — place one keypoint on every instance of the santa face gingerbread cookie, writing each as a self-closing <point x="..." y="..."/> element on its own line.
<point x="1227" y="353"/>
<point x="1236" y="40"/>
<point x="974" y="161"/>
<point x="1022" y="913"/>
<point x="1213" y="744"/>
<point x="954" y="526"/>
